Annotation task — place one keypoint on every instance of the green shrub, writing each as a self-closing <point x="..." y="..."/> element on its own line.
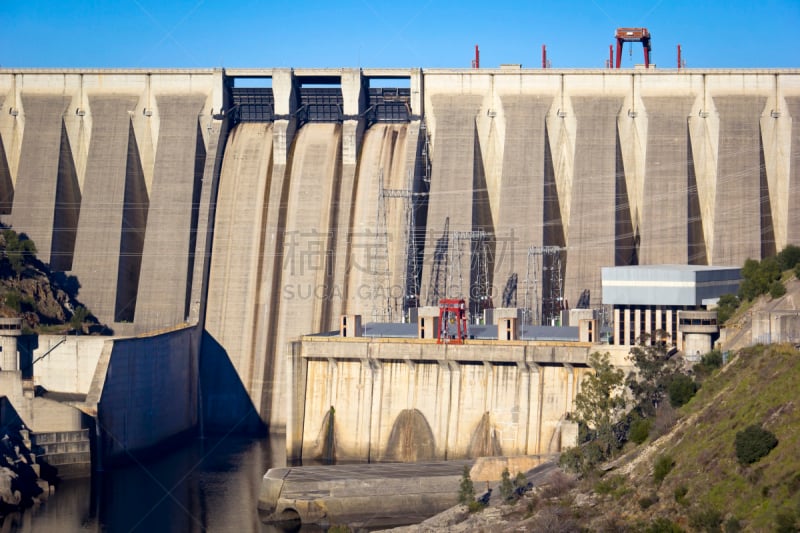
<point x="662" y="467"/>
<point x="608" y="485"/>
<point x="12" y="299"/>
<point x="797" y="271"/>
<point x="789" y="257"/>
<point x="647" y="501"/>
<point x="732" y="525"/>
<point x="506" y="486"/>
<point x="776" y="290"/>
<point x="474" y="506"/>
<point x="466" y="490"/>
<point x="680" y="495"/>
<point x="681" y="389"/>
<point x="727" y="305"/>
<point x="712" y="359"/>
<point x="786" y="521"/>
<point x="664" y="525"/>
<point x="581" y="459"/>
<point x="79" y="317"/>
<point x="640" y="430"/>
<point x="707" y="519"/>
<point x="753" y="443"/>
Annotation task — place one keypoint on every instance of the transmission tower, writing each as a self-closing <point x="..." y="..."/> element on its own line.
<point x="437" y="285"/>
<point x="382" y="276"/>
<point x="381" y="308"/>
<point x="544" y="310"/>
<point x="479" y="268"/>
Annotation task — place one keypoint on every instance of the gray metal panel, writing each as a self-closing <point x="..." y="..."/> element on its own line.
<point x="391" y="329"/>
<point x="549" y="333"/>
<point x="669" y="285"/>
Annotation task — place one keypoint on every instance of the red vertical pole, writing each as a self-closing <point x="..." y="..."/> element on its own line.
<point x="477" y="57"/>
<point x="679" y="57"/>
<point x="544" y="57"/>
<point x="646" y="56"/>
<point x="610" y="56"/>
<point x="619" y="52"/>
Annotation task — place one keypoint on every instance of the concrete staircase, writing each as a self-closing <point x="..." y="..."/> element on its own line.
<point x="61" y="440"/>
<point x="68" y="451"/>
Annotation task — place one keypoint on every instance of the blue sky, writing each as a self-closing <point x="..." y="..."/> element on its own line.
<point x="391" y="33"/>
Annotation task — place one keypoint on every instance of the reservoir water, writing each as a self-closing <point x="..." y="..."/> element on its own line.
<point x="210" y="484"/>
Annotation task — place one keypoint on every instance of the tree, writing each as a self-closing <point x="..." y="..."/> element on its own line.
<point x="466" y="490"/>
<point x="789" y="257"/>
<point x="758" y="277"/>
<point x="601" y="399"/>
<point x="19" y="250"/>
<point x="777" y="289"/>
<point x="681" y="389"/>
<point x="727" y="305"/>
<point x="506" y="486"/>
<point x="649" y="383"/>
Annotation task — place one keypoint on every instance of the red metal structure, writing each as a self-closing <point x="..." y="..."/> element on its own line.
<point x="544" y="56"/>
<point x="476" y="63"/>
<point x="634" y="35"/>
<point x="452" y="311"/>
<point x="679" y="57"/>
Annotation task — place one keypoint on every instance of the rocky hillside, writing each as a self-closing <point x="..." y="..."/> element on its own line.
<point x="45" y="301"/>
<point x="689" y="478"/>
<point x="689" y="474"/>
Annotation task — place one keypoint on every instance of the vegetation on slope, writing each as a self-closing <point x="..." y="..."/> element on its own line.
<point x="45" y="301"/>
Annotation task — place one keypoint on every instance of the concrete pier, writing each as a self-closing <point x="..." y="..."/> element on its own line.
<point x="365" y="494"/>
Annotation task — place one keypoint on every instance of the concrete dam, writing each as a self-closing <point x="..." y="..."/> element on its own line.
<point x="263" y="204"/>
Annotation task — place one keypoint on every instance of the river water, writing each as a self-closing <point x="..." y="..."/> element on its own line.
<point x="210" y="484"/>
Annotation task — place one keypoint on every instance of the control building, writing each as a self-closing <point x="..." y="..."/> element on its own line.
<point x="673" y="299"/>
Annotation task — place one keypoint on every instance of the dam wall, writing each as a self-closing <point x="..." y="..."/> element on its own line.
<point x="105" y="173"/>
<point x="409" y="400"/>
<point x="145" y="392"/>
<point x="167" y="197"/>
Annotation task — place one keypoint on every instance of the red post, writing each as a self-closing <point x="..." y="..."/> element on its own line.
<point x="544" y="56"/>
<point x="619" y="52"/>
<point x="679" y="57"/>
<point x="610" y="56"/>
<point x="476" y="63"/>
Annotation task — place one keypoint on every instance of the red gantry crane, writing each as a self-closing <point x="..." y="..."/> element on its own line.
<point x="634" y="35"/>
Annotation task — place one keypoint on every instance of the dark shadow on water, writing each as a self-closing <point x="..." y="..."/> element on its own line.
<point x="209" y="485"/>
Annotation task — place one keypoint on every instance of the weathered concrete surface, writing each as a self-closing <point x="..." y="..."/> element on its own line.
<point x="370" y="495"/>
<point x="408" y="400"/>
<point x="144" y="391"/>
<point x="361" y="494"/>
<point x="71" y="364"/>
